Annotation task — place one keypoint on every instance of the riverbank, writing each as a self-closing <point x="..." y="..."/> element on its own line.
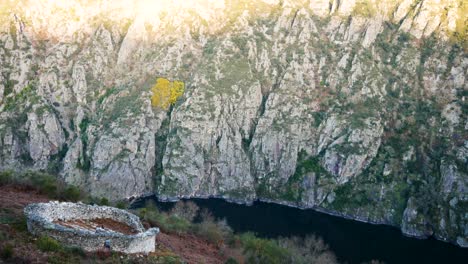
<point x="356" y="217"/>
<point x="351" y="241"/>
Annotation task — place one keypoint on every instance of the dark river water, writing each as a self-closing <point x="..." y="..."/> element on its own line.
<point x="351" y="241"/>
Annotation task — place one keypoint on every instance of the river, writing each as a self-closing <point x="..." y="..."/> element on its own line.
<point x="351" y="241"/>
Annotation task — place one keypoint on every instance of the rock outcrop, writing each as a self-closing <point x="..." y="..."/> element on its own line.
<point x="353" y="107"/>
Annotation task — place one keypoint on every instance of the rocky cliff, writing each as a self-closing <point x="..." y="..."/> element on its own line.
<point x="353" y="107"/>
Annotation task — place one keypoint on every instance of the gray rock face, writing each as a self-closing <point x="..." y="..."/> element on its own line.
<point x="46" y="138"/>
<point x="354" y="107"/>
<point x="413" y="223"/>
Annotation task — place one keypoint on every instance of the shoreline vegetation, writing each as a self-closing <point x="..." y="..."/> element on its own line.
<point x="183" y="225"/>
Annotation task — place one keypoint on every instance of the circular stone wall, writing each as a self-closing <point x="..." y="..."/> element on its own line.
<point x="45" y="219"/>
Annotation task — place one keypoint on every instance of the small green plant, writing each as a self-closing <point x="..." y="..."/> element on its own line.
<point x="20" y="224"/>
<point x="121" y="205"/>
<point x="71" y="193"/>
<point x="176" y="224"/>
<point x="7" y="252"/>
<point x="231" y="260"/>
<point x="6" y="177"/>
<point x="6" y="216"/>
<point x="187" y="210"/>
<point x="258" y="250"/>
<point x="165" y="260"/>
<point x="214" y="232"/>
<point x="75" y="251"/>
<point x="48" y="244"/>
<point x="3" y="236"/>
<point x="167" y="223"/>
<point x="404" y="37"/>
<point x="9" y="87"/>
<point x="45" y="183"/>
<point x="310" y="249"/>
<point x="428" y="46"/>
<point x="104" y="201"/>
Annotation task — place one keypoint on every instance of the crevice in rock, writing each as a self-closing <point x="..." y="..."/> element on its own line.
<point x="84" y="162"/>
<point x="261" y="111"/>
<point x="160" y="142"/>
<point x="294" y="19"/>
<point x="218" y="139"/>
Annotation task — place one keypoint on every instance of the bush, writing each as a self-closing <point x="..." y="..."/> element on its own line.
<point x="6" y="216"/>
<point x="45" y="183"/>
<point x="214" y="232"/>
<point x="258" y="250"/>
<point x="310" y="249"/>
<point x="7" y="251"/>
<point x="166" y="93"/>
<point x="149" y="213"/>
<point x="20" y="224"/>
<point x="167" y="223"/>
<point x="121" y="205"/>
<point x="48" y="244"/>
<point x="206" y="215"/>
<point x="3" y="236"/>
<point x="104" y="201"/>
<point x="209" y="231"/>
<point x="404" y="37"/>
<point x="75" y="251"/>
<point x="6" y="177"/>
<point x="187" y="210"/>
<point x="175" y="224"/>
<point x="71" y="193"/>
<point x="164" y="260"/>
<point x="231" y="260"/>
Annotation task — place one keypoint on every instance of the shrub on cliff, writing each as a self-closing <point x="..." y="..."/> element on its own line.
<point x="71" y="193"/>
<point x="185" y="209"/>
<point x="6" y="177"/>
<point x="167" y="223"/>
<point x="258" y="250"/>
<point x="48" y="244"/>
<point x="6" y="252"/>
<point x="166" y="93"/>
<point x="308" y="250"/>
<point x="215" y="232"/>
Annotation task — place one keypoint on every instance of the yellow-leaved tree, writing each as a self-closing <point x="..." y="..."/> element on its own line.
<point x="166" y="92"/>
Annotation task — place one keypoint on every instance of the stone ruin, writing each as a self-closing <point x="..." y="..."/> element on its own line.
<point x="91" y="227"/>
